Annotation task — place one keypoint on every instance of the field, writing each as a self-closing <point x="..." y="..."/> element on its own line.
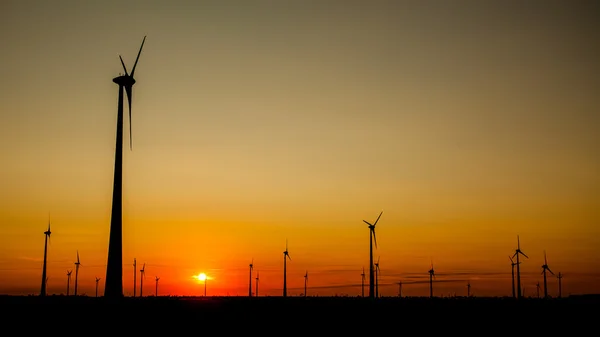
<point x="310" y="315"/>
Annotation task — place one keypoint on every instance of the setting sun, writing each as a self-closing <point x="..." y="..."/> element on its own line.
<point x="201" y="277"/>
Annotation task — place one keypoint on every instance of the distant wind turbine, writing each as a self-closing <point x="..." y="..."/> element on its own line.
<point x="372" y="238"/>
<point x="537" y="287"/>
<point x="559" y="277"/>
<point x="250" y="280"/>
<point x="512" y="265"/>
<point x="68" y="280"/>
<point x="544" y="269"/>
<point x="469" y="289"/>
<point x="114" y="267"/>
<point x="362" y="276"/>
<point x="44" y="279"/>
<point x="286" y="256"/>
<point x="156" y="278"/>
<point x="377" y="278"/>
<point x="134" y="275"/>
<point x="77" y="264"/>
<point x="256" y="292"/>
<point x="431" y="277"/>
<point x="516" y="254"/>
<point x="400" y="289"/>
<point x="97" y="279"/>
<point x="305" y="282"/>
<point x="142" y="276"/>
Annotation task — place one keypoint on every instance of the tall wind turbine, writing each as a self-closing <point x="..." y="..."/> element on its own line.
<point x="114" y="267"/>
<point x="256" y="292"/>
<point x="97" y="279"/>
<point x="431" y="277"/>
<point x="286" y="256"/>
<point x="559" y="277"/>
<point x="372" y="238"/>
<point x="517" y="253"/>
<point x="77" y="264"/>
<point x="305" y="282"/>
<point x="544" y="269"/>
<point x="142" y="276"/>
<point x="400" y="289"/>
<point x="377" y="278"/>
<point x="512" y="266"/>
<point x="362" y="285"/>
<point x="250" y="280"/>
<point x="44" y="281"/>
<point x="134" y="275"/>
<point x="156" y="278"/>
<point x="68" y="280"/>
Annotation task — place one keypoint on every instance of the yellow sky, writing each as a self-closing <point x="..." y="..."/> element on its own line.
<point x="256" y="122"/>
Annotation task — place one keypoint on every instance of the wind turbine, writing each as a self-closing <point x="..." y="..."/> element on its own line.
<point x="77" y="264"/>
<point x="537" y="287"/>
<point x="377" y="278"/>
<point x="68" y="280"/>
<point x="114" y="267"/>
<point x="44" y="280"/>
<point x="142" y="276"/>
<point x="256" y="292"/>
<point x="512" y="265"/>
<point x="134" y="275"/>
<point x="250" y="280"/>
<point x="286" y="256"/>
<point x="544" y="268"/>
<point x="305" y="282"/>
<point x="362" y="276"/>
<point x="431" y="277"/>
<point x="372" y="238"/>
<point x="97" y="279"/>
<point x="559" y="277"/>
<point x="517" y="253"/>
<point x="469" y="289"/>
<point x="400" y="289"/>
<point x="156" y="278"/>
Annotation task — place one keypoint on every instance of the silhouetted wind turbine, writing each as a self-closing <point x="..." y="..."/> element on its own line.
<point x="362" y="276"/>
<point x="250" y="279"/>
<point x="305" y="282"/>
<point x="134" y="275"/>
<point x="377" y="278"/>
<point x="286" y="256"/>
<point x="156" y="278"/>
<point x="512" y="265"/>
<point x="431" y="277"/>
<point x="537" y="287"/>
<point x="372" y="238"/>
<point x="256" y="293"/>
<point x="114" y="267"/>
<point x="544" y="268"/>
<point x="517" y="253"/>
<point x="142" y="276"/>
<point x="68" y="280"/>
<point x="44" y="280"/>
<point x="97" y="279"/>
<point x="400" y="289"/>
<point x="469" y="289"/>
<point x="77" y="264"/>
<point x="559" y="277"/>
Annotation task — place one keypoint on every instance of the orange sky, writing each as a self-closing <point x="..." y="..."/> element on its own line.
<point x="257" y="122"/>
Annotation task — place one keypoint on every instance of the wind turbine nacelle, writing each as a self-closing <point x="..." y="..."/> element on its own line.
<point x="124" y="80"/>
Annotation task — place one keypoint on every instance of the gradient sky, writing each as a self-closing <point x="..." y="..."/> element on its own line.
<point x="467" y="122"/>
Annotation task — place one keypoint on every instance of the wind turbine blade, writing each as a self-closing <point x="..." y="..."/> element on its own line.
<point x="545" y="259"/>
<point x="367" y="223"/>
<point x="123" y="63"/>
<point x="129" y="91"/>
<point x="138" y="57"/>
<point x="374" y="236"/>
<point x="378" y="218"/>
<point x="77" y="257"/>
<point x="524" y="254"/>
<point x="288" y="255"/>
<point x="550" y="271"/>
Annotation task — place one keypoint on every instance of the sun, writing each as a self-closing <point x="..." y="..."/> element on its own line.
<point x="201" y="277"/>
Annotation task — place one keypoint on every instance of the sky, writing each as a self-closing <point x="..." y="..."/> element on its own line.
<point x="467" y="123"/>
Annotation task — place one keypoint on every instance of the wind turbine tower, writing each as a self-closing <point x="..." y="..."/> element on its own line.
<point x="544" y="269"/>
<point x="256" y="292"/>
<point x="156" y="278"/>
<point x="68" y="280"/>
<point x="286" y="256"/>
<point x="305" y="282"/>
<point x="44" y="280"/>
<point x="142" y="276"/>
<point x="537" y="287"/>
<point x="469" y="289"/>
<point x="400" y="289"/>
<point x="372" y="238"/>
<point x="250" y="279"/>
<point x="114" y="268"/>
<point x="559" y="277"/>
<point x="377" y="278"/>
<point x="362" y="285"/>
<point x="77" y="264"/>
<point x="134" y="275"/>
<point x="516" y="254"/>
<point x="512" y="266"/>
